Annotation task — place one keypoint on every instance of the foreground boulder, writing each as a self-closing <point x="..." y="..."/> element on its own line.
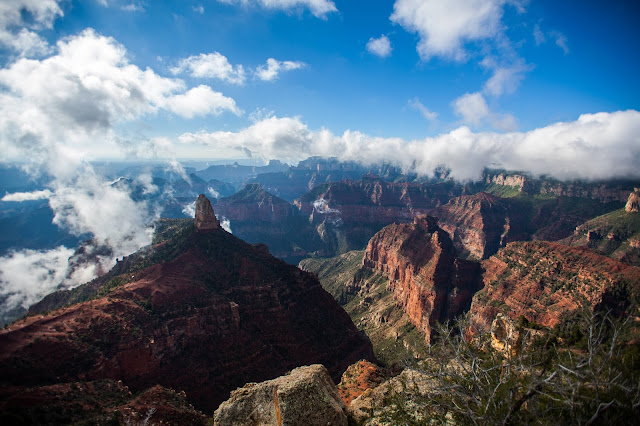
<point x="304" y="396"/>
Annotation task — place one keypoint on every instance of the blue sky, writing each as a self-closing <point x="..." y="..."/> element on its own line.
<point x="343" y="86"/>
<point x="345" y="76"/>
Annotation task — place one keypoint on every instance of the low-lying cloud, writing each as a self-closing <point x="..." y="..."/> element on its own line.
<point x="595" y="146"/>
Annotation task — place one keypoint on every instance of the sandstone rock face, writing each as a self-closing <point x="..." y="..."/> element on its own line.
<point x="633" y="202"/>
<point x="545" y="282"/>
<point x="428" y="281"/>
<point x="477" y="224"/>
<point x="305" y="396"/>
<point x="205" y="218"/>
<point x="202" y="312"/>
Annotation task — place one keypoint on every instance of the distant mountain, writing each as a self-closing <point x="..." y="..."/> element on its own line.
<point x="237" y="174"/>
<point x="200" y="311"/>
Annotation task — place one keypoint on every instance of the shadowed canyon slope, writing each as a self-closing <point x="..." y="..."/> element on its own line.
<point x="201" y="311"/>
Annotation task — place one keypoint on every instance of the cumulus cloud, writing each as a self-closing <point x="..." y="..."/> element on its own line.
<point x="273" y="67"/>
<point x="595" y="146"/>
<point x="201" y="100"/>
<point x="319" y="8"/>
<point x="379" y="46"/>
<point x="426" y="113"/>
<point x="211" y="65"/>
<point x="199" y="9"/>
<point x="445" y="26"/>
<point x="473" y="109"/>
<point x="27" y="196"/>
<point x="20" y="34"/>
<point x="70" y="101"/>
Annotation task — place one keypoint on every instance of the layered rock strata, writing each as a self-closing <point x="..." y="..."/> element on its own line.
<point x="428" y="282"/>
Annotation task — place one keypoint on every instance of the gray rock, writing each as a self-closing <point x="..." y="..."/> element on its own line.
<point x="306" y="396"/>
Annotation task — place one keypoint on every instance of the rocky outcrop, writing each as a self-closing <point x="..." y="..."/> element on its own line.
<point x="373" y="406"/>
<point x="633" y="202"/>
<point x="205" y="218"/>
<point x="546" y="282"/>
<point x="519" y="181"/>
<point x="477" y="224"/>
<point x="427" y="280"/>
<point x="359" y="377"/>
<point x="202" y="312"/>
<point x="305" y="396"/>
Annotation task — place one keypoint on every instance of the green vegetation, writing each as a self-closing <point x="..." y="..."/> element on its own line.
<point x="551" y="381"/>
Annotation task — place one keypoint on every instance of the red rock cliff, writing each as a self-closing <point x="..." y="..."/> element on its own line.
<point x="428" y="282"/>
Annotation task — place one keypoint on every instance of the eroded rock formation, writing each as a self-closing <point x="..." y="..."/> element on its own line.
<point x="428" y="282"/>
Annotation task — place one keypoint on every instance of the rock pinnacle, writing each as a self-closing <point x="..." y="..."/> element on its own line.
<point x="205" y="218"/>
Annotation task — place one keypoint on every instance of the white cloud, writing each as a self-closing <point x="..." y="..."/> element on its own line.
<point x="201" y="100"/>
<point x="273" y="67"/>
<point x="29" y="275"/>
<point x="211" y="65"/>
<point x="319" y="8"/>
<point x="595" y="146"/>
<point x="198" y="9"/>
<point x="69" y="102"/>
<point x="559" y="38"/>
<point x="379" y="46"/>
<point x="19" y="34"/>
<point x="471" y="107"/>
<point x="561" y="42"/>
<point x="27" y="196"/>
<point x="506" y="78"/>
<point x="426" y="113"/>
<point x="133" y="7"/>
<point x="445" y="26"/>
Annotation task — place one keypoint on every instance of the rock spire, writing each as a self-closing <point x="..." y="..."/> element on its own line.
<point x="205" y="218"/>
